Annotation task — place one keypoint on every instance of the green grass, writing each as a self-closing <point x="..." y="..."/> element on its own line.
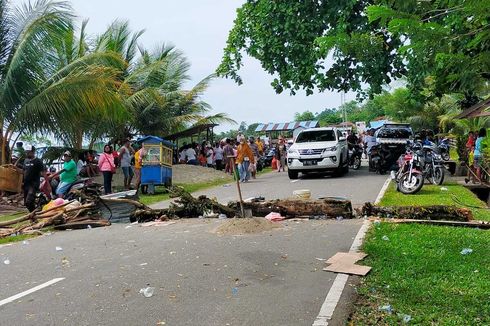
<point x="13" y="216"/>
<point x="162" y="194"/>
<point x="420" y="272"/>
<point x="433" y="195"/>
<point x="16" y="238"/>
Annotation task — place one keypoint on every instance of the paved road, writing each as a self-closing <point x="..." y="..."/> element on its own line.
<point x="359" y="186"/>
<point x="200" y="278"/>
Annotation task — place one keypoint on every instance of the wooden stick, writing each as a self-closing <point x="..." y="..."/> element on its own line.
<point x="18" y="220"/>
<point x="126" y="201"/>
<point x="237" y="178"/>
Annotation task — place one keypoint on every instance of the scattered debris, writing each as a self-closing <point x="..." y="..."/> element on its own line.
<point x="405" y="318"/>
<point x="343" y="262"/>
<point x="6" y="261"/>
<point x="444" y="189"/>
<point x="222" y="217"/>
<point x="234" y="291"/>
<point x="385" y="238"/>
<point x="274" y="217"/>
<point x="58" y="249"/>
<point x="147" y="292"/>
<point x="25" y="242"/>
<point x="387" y="308"/>
<point x="320" y="259"/>
<point x="158" y="223"/>
<point x="466" y="251"/>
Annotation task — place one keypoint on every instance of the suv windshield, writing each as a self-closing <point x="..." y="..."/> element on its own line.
<point x="395" y="132"/>
<point x="316" y="136"/>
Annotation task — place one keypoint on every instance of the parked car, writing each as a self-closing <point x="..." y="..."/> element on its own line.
<point x="318" y="150"/>
<point x="392" y="141"/>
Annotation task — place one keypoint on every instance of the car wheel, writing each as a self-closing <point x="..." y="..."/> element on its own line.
<point x="293" y="175"/>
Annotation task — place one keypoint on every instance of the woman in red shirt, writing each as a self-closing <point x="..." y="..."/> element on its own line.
<point x="107" y="167"/>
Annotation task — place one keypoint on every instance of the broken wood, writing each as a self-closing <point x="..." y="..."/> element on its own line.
<point x="473" y="224"/>
<point x="292" y="208"/>
<point x="448" y="213"/>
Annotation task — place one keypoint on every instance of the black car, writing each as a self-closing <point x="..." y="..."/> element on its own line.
<point x="392" y="140"/>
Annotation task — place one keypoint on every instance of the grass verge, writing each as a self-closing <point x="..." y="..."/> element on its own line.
<point x="16" y="238"/>
<point x="162" y="193"/>
<point x="421" y="273"/>
<point x="433" y="195"/>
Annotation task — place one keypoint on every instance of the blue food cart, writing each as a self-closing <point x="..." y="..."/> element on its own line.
<point x="156" y="166"/>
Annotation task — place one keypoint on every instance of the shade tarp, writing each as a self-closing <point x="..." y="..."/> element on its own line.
<point x="286" y="126"/>
<point x="192" y="131"/>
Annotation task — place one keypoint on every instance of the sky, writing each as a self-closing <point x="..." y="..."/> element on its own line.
<point x="200" y="28"/>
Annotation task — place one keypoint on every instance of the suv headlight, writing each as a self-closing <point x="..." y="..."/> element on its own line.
<point x="293" y="152"/>
<point x="330" y="149"/>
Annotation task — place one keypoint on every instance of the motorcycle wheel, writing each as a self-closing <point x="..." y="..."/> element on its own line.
<point x="357" y="163"/>
<point x="445" y="156"/>
<point x="438" y="176"/>
<point x="410" y="186"/>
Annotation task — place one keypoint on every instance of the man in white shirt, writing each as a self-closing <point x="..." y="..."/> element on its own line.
<point x="209" y="156"/>
<point x="190" y="154"/>
<point x="218" y="156"/>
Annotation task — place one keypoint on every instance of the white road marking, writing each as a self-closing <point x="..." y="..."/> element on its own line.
<point x="382" y="191"/>
<point x="34" y="289"/>
<point x="333" y="295"/>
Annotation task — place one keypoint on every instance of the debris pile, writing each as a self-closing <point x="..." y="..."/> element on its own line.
<point x="70" y="215"/>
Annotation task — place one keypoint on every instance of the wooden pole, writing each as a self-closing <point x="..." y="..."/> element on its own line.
<point x="237" y="178"/>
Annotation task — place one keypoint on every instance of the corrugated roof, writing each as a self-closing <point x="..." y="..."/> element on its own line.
<point x="477" y="110"/>
<point x="286" y="126"/>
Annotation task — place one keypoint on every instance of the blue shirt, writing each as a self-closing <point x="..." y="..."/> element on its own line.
<point x="477" y="151"/>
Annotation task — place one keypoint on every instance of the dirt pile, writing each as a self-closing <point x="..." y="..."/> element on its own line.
<point x="240" y="226"/>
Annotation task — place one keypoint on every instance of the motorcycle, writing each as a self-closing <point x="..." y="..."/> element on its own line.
<point x="409" y="177"/>
<point x="443" y="149"/>
<point x="261" y="163"/>
<point x="380" y="159"/>
<point x="432" y="165"/>
<point x="355" y="155"/>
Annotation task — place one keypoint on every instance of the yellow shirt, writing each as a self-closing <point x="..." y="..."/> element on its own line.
<point x="137" y="161"/>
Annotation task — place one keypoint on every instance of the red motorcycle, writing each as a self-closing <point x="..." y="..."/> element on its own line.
<point x="409" y="177"/>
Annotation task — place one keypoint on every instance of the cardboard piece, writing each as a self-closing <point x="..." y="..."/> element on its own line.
<point x="351" y="269"/>
<point x="351" y="257"/>
<point x="345" y="262"/>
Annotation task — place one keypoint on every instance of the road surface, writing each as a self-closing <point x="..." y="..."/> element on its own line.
<point x="200" y="278"/>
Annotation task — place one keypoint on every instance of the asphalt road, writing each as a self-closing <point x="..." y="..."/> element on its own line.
<point x="200" y="278"/>
<point x="359" y="186"/>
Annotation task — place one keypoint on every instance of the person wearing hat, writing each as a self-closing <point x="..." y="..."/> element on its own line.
<point x="33" y="169"/>
<point x="68" y="174"/>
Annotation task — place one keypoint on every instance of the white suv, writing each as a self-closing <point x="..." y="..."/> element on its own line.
<point x="318" y="150"/>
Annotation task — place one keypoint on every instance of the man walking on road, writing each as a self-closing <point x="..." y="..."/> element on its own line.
<point x="33" y="168"/>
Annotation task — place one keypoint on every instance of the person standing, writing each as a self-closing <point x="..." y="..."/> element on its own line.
<point x="218" y="156"/>
<point x="244" y="158"/>
<point x="125" y="153"/>
<point x="209" y="156"/>
<point x="107" y="167"/>
<point x="138" y="163"/>
<point x="281" y="155"/>
<point x="260" y="146"/>
<point x="190" y="155"/>
<point x="255" y="151"/>
<point x="33" y="169"/>
<point x="228" y="156"/>
<point x="478" y="153"/>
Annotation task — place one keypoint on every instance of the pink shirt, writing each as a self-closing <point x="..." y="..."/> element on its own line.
<point x="106" y="162"/>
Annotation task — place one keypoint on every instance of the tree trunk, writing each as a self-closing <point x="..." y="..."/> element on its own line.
<point x="290" y="208"/>
<point x="449" y="213"/>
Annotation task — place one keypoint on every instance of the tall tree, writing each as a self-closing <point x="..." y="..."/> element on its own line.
<point x="35" y="89"/>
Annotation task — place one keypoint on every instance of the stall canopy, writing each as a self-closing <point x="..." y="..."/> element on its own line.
<point x="193" y="131"/>
<point x="155" y="140"/>
<point x="477" y="110"/>
<point x="286" y="126"/>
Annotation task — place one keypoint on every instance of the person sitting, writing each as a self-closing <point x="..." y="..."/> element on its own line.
<point x="68" y="175"/>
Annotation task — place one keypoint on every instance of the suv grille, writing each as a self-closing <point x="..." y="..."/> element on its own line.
<point x="311" y="151"/>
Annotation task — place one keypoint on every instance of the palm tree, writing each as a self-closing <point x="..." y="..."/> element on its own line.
<point x="153" y="86"/>
<point x="36" y="88"/>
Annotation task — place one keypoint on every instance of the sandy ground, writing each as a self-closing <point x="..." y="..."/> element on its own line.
<point x="181" y="174"/>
